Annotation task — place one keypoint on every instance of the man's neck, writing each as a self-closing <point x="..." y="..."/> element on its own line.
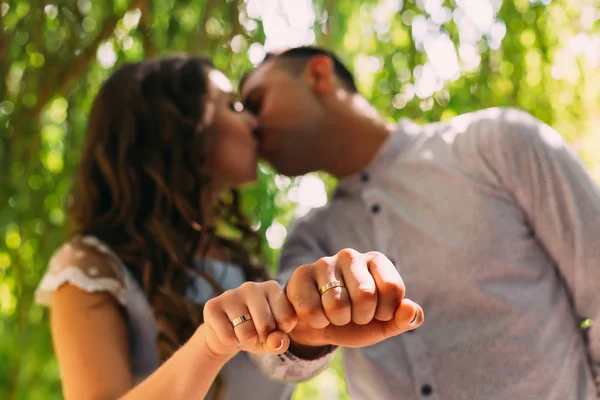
<point x="357" y="135"/>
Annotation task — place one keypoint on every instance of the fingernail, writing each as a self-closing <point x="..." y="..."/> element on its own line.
<point x="415" y="317"/>
<point x="280" y="345"/>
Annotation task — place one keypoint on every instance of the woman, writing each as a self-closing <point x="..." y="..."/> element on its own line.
<point x="158" y="233"/>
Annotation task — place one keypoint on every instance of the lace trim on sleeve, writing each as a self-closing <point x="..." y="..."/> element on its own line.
<point x="76" y="277"/>
<point x="87" y="263"/>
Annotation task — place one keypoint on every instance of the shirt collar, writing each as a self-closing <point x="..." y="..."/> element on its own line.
<point x="398" y="141"/>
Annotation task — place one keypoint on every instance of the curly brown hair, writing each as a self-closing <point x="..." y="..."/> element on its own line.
<point x="140" y="185"/>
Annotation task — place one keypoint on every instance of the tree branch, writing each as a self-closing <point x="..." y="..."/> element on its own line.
<point x="3" y="58"/>
<point x="76" y="67"/>
<point x="208" y="10"/>
<point x="8" y="38"/>
<point x="144" y="28"/>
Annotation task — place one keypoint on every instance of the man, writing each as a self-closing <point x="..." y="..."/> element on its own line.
<point x="491" y="220"/>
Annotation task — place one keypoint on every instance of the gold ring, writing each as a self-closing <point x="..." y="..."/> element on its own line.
<point x="331" y="285"/>
<point x="240" y="320"/>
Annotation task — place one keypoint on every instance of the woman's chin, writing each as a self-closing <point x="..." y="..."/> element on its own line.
<point x="249" y="178"/>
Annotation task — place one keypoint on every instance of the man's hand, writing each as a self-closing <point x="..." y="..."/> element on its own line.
<point x="369" y="308"/>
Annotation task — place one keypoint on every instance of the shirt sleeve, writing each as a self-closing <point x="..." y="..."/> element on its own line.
<point x="302" y="246"/>
<point x="289" y="368"/>
<point x="562" y="204"/>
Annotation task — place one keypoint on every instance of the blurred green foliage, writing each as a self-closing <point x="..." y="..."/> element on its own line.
<point x="423" y="59"/>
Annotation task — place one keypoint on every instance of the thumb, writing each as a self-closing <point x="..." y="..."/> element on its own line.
<point x="277" y="342"/>
<point x="408" y="316"/>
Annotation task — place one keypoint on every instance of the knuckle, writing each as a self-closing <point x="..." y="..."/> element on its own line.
<point x="322" y="263"/>
<point x="211" y="307"/>
<point x="401" y="290"/>
<point x="348" y="254"/>
<point x="366" y="294"/>
<point x="248" y="287"/>
<point x="390" y="289"/>
<point x="227" y="295"/>
<point x="273" y="285"/>
<point x="301" y="273"/>
<point x="377" y="255"/>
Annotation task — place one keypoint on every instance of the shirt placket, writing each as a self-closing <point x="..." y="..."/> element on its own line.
<point x="416" y="349"/>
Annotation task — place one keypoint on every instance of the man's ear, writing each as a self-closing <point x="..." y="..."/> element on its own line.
<point x="319" y="74"/>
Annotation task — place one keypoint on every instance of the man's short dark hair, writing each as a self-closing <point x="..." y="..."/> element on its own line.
<point x="295" y="60"/>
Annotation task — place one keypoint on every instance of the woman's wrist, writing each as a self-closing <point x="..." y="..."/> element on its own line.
<point x="204" y="343"/>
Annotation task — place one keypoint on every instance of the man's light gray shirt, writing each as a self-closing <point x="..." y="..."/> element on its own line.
<point x="494" y="225"/>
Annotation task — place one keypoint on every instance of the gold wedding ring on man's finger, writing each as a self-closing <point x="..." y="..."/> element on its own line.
<point x="331" y="285"/>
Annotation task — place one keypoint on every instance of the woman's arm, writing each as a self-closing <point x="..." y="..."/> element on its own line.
<point x="188" y="374"/>
<point x="90" y="338"/>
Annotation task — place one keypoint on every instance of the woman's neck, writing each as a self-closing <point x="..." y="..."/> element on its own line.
<point x="209" y="248"/>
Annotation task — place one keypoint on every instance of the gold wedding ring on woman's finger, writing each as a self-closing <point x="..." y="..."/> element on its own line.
<point x="331" y="285"/>
<point x="241" y="320"/>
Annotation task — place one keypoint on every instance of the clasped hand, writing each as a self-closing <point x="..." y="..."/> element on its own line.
<point x="350" y="299"/>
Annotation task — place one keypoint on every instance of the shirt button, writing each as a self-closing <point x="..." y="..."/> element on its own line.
<point x="426" y="390"/>
<point x="364" y="177"/>
<point x="375" y="208"/>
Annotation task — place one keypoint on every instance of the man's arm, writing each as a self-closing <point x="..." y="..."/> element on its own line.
<point x="368" y="308"/>
<point x="562" y="205"/>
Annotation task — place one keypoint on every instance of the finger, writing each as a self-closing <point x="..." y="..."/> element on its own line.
<point x="303" y="293"/>
<point x="390" y="287"/>
<point x="281" y="308"/>
<point x="335" y="301"/>
<point x="360" y="284"/>
<point x="235" y="307"/>
<point x="277" y="342"/>
<point x="409" y="315"/>
<point x="255" y="298"/>
<point x="218" y="321"/>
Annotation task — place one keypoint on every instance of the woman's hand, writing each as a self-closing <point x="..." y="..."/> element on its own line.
<point x="271" y="316"/>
